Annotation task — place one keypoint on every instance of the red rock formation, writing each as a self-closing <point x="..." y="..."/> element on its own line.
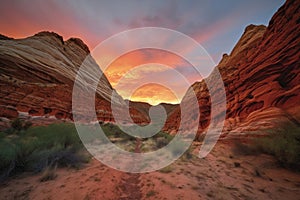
<point x="144" y="107"/>
<point x="261" y="76"/>
<point x="37" y="76"/>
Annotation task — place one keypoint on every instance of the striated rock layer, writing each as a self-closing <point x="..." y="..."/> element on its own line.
<point x="261" y="77"/>
<point x="37" y="76"/>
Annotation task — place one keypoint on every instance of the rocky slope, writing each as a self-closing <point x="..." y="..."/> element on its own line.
<point x="37" y="75"/>
<point x="261" y="77"/>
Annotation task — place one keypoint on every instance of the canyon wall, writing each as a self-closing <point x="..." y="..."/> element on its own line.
<point x="261" y="77"/>
<point x="37" y="76"/>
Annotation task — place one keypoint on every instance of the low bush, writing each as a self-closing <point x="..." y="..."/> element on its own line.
<point x="178" y="147"/>
<point x="167" y="169"/>
<point x="151" y="193"/>
<point x="49" y="174"/>
<point x="283" y="143"/>
<point x="8" y="156"/>
<point x="162" y="139"/>
<point x="38" y="148"/>
<point x="19" y="124"/>
<point x="114" y="131"/>
<point x="161" y="142"/>
<point x="164" y="135"/>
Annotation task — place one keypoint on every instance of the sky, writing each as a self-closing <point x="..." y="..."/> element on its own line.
<point x="215" y="25"/>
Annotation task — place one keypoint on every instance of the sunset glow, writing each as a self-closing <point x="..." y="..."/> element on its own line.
<point x="154" y="94"/>
<point x="138" y="68"/>
<point x="96" y="21"/>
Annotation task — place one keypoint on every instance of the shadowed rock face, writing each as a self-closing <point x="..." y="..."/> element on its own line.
<point x="261" y="76"/>
<point x="37" y="76"/>
<point x="145" y="107"/>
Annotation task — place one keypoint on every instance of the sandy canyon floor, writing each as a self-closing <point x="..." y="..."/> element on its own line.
<point x="221" y="175"/>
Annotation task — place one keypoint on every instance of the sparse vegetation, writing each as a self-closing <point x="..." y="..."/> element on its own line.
<point x="178" y="147"/>
<point x="49" y="174"/>
<point x="188" y="155"/>
<point x="39" y="148"/>
<point x="201" y="137"/>
<point x="150" y="193"/>
<point x="43" y="148"/>
<point x="113" y="131"/>
<point x="283" y="143"/>
<point x="128" y="142"/>
<point x="166" y="169"/>
<point x="162" y="139"/>
<point x="19" y="124"/>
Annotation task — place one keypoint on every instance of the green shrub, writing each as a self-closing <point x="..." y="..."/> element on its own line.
<point x="284" y="144"/>
<point x="27" y="125"/>
<point x="2" y="135"/>
<point x="17" y="124"/>
<point x="49" y="174"/>
<point x="8" y="155"/>
<point x="161" y="142"/>
<point x="150" y="193"/>
<point x="167" y="136"/>
<point x="55" y="134"/>
<point x="112" y="130"/>
<point x="166" y="169"/>
<point x="37" y="148"/>
<point x="10" y="131"/>
<point x="188" y="154"/>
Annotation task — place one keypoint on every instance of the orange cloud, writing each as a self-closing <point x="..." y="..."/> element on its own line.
<point x="154" y="94"/>
<point x="25" y="20"/>
<point x="139" y="67"/>
<point x="20" y="20"/>
<point x="126" y="62"/>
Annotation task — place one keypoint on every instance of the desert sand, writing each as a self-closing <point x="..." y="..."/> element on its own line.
<point x="221" y="175"/>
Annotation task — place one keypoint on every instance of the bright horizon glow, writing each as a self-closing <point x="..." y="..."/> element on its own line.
<point x="154" y="94"/>
<point x="131" y="61"/>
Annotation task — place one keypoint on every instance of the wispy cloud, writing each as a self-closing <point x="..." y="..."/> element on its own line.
<point x="216" y="25"/>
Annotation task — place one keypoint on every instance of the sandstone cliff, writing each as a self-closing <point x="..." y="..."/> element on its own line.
<point x="37" y="75"/>
<point x="261" y="77"/>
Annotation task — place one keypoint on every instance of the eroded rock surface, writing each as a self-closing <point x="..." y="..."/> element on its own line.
<point x="37" y="77"/>
<point x="261" y="77"/>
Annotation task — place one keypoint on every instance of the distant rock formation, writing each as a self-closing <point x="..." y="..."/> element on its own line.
<point x="144" y="107"/>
